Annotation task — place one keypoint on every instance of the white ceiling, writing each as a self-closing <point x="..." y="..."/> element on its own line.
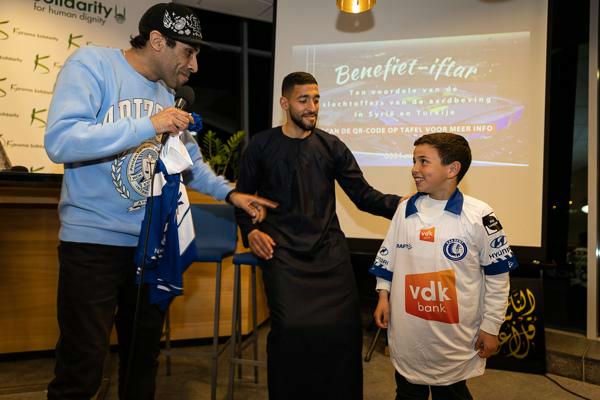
<point x="261" y="10"/>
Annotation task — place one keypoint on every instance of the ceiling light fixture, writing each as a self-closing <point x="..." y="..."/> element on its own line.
<point x="355" y="6"/>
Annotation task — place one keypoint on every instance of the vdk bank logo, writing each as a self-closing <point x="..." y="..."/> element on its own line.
<point x="427" y="234"/>
<point x="432" y="296"/>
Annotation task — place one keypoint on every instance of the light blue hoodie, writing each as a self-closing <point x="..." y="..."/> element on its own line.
<point x="99" y="127"/>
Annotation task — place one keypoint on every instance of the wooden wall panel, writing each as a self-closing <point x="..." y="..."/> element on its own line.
<point x="29" y="267"/>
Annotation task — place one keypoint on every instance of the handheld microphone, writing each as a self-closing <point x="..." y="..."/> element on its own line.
<point x="184" y="97"/>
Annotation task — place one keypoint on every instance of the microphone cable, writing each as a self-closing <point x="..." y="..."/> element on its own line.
<point x="136" y="316"/>
<point x="183" y="97"/>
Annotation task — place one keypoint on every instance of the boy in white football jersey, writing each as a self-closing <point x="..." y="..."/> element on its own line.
<point x="449" y="260"/>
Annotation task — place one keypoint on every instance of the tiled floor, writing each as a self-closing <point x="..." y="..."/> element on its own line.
<point x="26" y="380"/>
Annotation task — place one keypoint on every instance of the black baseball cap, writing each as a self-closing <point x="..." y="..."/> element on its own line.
<point x="174" y="21"/>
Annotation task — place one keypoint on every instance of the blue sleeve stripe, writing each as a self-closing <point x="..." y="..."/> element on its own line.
<point x="501" y="266"/>
<point x="381" y="272"/>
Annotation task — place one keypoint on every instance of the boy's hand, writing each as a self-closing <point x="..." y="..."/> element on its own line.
<point x="382" y="312"/>
<point x="486" y="344"/>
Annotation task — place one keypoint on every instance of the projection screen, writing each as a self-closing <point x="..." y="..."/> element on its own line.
<point x="411" y="67"/>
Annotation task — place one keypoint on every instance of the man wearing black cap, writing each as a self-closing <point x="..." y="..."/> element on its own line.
<point x="109" y="110"/>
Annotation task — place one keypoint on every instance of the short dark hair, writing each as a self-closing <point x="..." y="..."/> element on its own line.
<point x="296" y="78"/>
<point x="139" y="41"/>
<point x="451" y="147"/>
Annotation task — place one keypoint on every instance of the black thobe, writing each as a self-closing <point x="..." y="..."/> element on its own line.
<point x="315" y="343"/>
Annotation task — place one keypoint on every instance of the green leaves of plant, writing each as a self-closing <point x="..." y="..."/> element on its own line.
<point x="222" y="156"/>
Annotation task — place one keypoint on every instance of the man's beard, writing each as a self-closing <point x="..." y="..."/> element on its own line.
<point x="300" y="123"/>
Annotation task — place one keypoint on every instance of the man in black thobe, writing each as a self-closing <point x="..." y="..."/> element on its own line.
<point x="315" y="343"/>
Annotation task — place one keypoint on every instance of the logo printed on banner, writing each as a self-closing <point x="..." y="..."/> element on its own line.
<point x="3" y="35"/>
<point x="498" y="242"/>
<point x="384" y="251"/>
<point x="427" y="235"/>
<point x="71" y="40"/>
<point x="34" y="117"/>
<point x="120" y="16"/>
<point x="37" y="63"/>
<point x="93" y="7"/>
<point x="455" y="249"/>
<point x="93" y="12"/>
<point x="432" y="296"/>
<point x="2" y="91"/>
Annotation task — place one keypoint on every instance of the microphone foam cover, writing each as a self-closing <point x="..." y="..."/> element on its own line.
<point x="186" y="93"/>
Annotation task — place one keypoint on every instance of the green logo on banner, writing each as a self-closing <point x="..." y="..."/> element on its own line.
<point x="120" y="17"/>
<point x="3" y="35"/>
<point x="34" y="117"/>
<point x="2" y="91"/>
<point x="92" y="12"/>
<point x="71" y="40"/>
<point x="37" y="63"/>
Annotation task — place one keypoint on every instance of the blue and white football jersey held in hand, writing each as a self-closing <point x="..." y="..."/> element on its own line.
<point x="165" y="248"/>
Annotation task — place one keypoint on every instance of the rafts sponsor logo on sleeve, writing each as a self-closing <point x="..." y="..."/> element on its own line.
<point x="432" y="296"/>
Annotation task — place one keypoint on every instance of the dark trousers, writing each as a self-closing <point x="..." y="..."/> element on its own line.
<point x="410" y="391"/>
<point x="96" y="288"/>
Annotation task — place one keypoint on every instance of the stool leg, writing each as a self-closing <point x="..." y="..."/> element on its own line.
<point x="372" y="346"/>
<point x="254" y="323"/>
<point x="233" y="353"/>
<point x="238" y="332"/>
<point x="215" y="346"/>
<point x="168" y="339"/>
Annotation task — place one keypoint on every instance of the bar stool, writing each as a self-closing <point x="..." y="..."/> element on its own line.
<point x="216" y="239"/>
<point x="371" y="348"/>
<point x="237" y="344"/>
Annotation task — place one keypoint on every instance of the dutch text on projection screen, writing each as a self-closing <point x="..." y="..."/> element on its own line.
<point x="380" y="96"/>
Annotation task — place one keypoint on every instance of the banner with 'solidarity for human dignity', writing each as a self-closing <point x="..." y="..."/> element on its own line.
<point x="36" y="37"/>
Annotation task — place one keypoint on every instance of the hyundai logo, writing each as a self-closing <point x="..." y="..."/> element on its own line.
<point x="384" y="251"/>
<point x="498" y="242"/>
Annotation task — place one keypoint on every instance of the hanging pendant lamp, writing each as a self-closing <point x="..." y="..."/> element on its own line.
<point x="355" y="6"/>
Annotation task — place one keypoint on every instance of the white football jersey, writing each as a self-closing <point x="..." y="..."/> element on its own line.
<point x="449" y="279"/>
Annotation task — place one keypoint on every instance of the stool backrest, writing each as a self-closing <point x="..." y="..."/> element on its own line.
<point x="215" y="227"/>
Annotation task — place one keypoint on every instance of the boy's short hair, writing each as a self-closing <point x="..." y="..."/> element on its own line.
<point x="451" y="147"/>
<point x="296" y="78"/>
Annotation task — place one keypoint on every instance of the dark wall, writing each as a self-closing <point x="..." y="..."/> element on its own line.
<point x="568" y="28"/>
<point x="218" y="82"/>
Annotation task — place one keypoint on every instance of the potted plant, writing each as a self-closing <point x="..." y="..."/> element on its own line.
<point x="222" y="156"/>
